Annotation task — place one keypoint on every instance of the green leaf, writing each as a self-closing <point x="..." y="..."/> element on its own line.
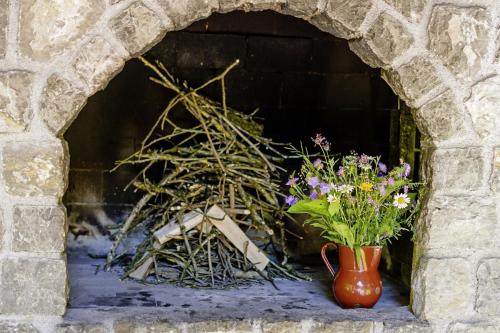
<point x="334" y="207"/>
<point x="345" y="232"/>
<point x="312" y="207"/>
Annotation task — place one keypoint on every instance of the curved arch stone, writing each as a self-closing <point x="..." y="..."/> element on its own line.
<point x="183" y="13"/>
<point x="60" y="103"/>
<point x="386" y="40"/>
<point x="137" y="27"/>
<point x="441" y="119"/>
<point x="343" y="18"/>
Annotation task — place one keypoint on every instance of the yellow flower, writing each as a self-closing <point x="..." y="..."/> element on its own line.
<point x="367" y="187"/>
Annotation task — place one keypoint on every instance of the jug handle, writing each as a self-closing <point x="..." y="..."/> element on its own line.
<point x="325" y="258"/>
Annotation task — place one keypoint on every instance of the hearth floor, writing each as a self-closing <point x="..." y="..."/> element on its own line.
<point x="97" y="295"/>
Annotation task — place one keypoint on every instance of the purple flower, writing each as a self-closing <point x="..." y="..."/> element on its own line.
<point x="291" y="200"/>
<point x="292" y="182"/>
<point x="381" y="189"/>
<point x="318" y="164"/>
<point x="319" y="140"/>
<point x="325" y="188"/>
<point x="340" y="172"/>
<point x="313" y="195"/>
<point x="382" y="167"/>
<point x="313" y="181"/>
<point x="406" y="189"/>
<point x="407" y="169"/>
<point x="390" y="181"/>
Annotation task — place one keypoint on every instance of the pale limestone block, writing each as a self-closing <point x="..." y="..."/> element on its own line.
<point x="484" y="107"/>
<point x="4" y="23"/>
<point x="15" y="101"/>
<point x="443" y="289"/>
<point x="343" y="18"/>
<point x="97" y="62"/>
<point x="39" y="229"/>
<point x="49" y="27"/>
<point x="137" y="27"/>
<point x="33" y="286"/>
<point x="459" y="37"/>
<point x="386" y="40"/>
<point x="413" y="80"/>
<point x="60" y="103"/>
<point x="488" y="289"/>
<point x="247" y="5"/>
<point x="139" y="327"/>
<point x="441" y="119"/>
<point x="11" y="326"/>
<point x="183" y="13"/>
<point x="34" y="169"/>
<point x="412" y="9"/>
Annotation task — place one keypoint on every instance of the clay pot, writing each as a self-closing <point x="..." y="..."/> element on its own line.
<point x="355" y="286"/>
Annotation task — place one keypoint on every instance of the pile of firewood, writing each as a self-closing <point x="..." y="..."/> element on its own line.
<point x="215" y="214"/>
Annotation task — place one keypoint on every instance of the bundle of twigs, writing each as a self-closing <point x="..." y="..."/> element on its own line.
<point x="221" y="159"/>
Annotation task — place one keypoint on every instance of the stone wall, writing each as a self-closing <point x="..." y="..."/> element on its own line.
<point x="443" y="59"/>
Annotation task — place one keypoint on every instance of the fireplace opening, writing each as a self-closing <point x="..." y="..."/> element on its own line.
<point x="304" y="81"/>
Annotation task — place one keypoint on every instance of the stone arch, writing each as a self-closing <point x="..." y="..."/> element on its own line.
<point x="428" y="65"/>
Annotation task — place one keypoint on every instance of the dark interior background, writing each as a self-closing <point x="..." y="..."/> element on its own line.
<point x="304" y="81"/>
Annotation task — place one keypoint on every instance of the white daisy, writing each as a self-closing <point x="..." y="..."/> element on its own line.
<point x="401" y="200"/>
<point x="346" y="189"/>
<point x="331" y="198"/>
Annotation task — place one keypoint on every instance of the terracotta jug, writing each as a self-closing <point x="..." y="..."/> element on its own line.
<point x="355" y="286"/>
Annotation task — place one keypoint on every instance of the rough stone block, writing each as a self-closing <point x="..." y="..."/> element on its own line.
<point x="483" y="106"/>
<point x="138" y="327"/>
<point x="411" y="9"/>
<point x="137" y="28"/>
<point x="230" y="5"/>
<point x="441" y="119"/>
<point x="303" y="8"/>
<point x="4" y="23"/>
<point x="81" y="328"/>
<point x="15" y="105"/>
<point x="414" y="80"/>
<point x="406" y="327"/>
<point x="17" y="327"/>
<point x="497" y="53"/>
<point x="343" y="18"/>
<point x="495" y="181"/>
<point x="183" y="13"/>
<point x="282" y="327"/>
<point x="458" y="170"/>
<point x="459" y="37"/>
<point x="488" y="289"/>
<point x="33" y="287"/>
<point x="97" y="62"/>
<point x="60" y="103"/>
<point x="39" y="229"/>
<point x="220" y="326"/>
<point x="450" y="226"/>
<point x="474" y="327"/>
<point x="34" y="169"/>
<point x="443" y="289"/>
<point x="48" y="28"/>
<point x="386" y="40"/>
<point x="343" y="327"/>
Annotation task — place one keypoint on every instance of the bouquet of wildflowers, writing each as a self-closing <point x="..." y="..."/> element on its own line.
<point x="355" y="200"/>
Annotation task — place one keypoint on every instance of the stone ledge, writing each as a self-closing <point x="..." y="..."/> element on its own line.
<point x="136" y="320"/>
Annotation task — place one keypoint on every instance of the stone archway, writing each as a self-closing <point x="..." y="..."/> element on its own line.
<point x="441" y="59"/>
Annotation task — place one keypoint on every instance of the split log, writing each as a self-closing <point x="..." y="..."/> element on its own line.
<point x="221" y="220"/>
<point x="173" y="227"/>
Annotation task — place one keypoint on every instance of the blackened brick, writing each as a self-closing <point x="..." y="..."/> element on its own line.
<point x="278" y="54"/>
<point x="209" y="51"/>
